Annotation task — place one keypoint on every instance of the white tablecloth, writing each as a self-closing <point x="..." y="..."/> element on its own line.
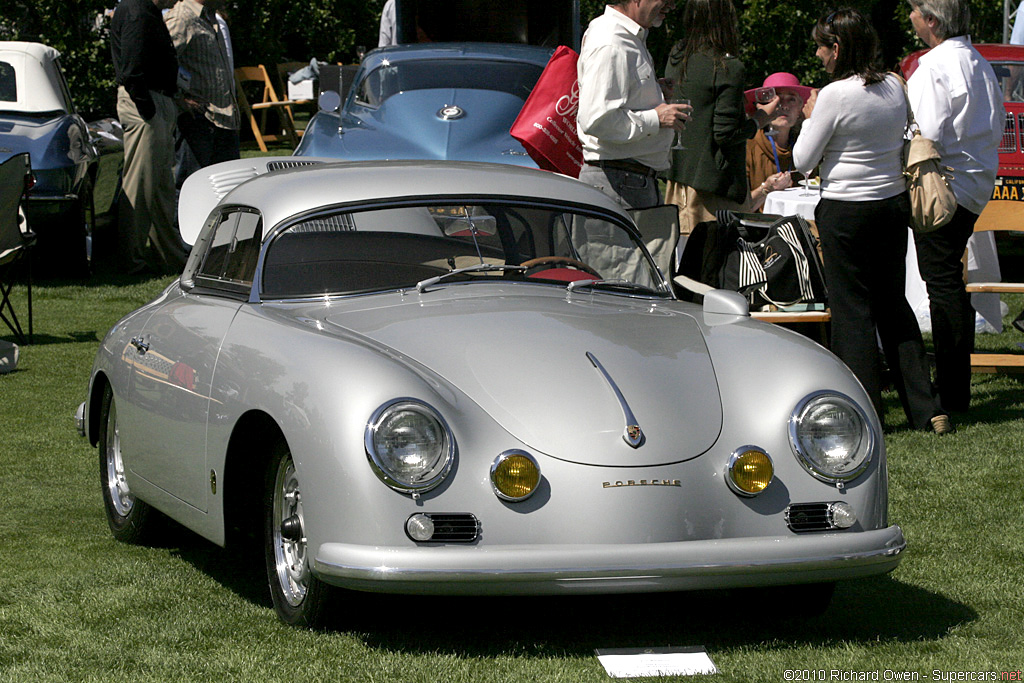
<point x="796" y="201"/>
<point x="982" y="260"/>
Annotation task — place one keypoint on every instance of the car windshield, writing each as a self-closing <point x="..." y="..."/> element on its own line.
<point x="1011" y="79"/>
<point x="398" y="248"/>
<point x="514" y="78"/>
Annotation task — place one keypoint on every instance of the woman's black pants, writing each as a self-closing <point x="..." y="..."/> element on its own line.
<point x="864" y="248"/>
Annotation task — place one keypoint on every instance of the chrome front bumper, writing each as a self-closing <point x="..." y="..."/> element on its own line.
<point x="620" y="568"/>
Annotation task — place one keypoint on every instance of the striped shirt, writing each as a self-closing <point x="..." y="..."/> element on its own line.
<point x="203" y="53"/>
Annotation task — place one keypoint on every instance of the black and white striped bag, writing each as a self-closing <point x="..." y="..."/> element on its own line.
<point x="775" y="265"/>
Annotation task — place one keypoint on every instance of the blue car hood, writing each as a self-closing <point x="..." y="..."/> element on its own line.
<point x="410" y="125"/>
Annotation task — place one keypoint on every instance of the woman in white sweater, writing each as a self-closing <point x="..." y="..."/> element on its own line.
<point x="855" y="132"/>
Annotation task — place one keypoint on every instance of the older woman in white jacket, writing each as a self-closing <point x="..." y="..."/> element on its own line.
<point x="855" y="131"/>
<point x="957" y="102"/>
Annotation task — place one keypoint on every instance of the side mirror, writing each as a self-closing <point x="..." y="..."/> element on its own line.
<point x="329" y="101"/>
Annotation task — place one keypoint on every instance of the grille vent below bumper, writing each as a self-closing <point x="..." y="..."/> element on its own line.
<point x="803" y="517"/>
<point x="454" y="527"/>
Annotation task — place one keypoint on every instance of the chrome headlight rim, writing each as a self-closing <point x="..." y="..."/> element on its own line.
<point x="502" y="457"/>
<point x="438" y="473"/>
<point x="730" y="465"/>
<point x="806" y="462"/>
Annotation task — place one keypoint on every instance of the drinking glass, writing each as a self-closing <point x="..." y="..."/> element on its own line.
<point x="677" y="143"/>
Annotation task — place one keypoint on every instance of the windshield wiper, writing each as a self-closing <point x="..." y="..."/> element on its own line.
<point x="478" y="268"/>
<point x="616" y="283"/>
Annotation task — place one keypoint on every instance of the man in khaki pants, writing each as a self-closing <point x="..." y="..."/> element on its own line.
<point x="146" y="69"/>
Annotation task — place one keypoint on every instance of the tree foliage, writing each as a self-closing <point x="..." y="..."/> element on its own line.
<point x="775" y="35"/>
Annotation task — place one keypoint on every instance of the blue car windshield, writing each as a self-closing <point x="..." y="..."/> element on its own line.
<point x="514" y="78"/>
<point x="399" y="247"/>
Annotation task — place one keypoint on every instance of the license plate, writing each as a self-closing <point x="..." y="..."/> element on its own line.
<point x="1009" y="190"/>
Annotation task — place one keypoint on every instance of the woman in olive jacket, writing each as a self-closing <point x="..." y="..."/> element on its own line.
<point x="710" y="173"/>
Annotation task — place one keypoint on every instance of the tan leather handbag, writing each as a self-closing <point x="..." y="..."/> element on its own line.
<point x="932" y="202"/>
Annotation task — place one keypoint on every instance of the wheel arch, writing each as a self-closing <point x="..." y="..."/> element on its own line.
<point x="99" y="383"/>
<point x="245" y="464"/>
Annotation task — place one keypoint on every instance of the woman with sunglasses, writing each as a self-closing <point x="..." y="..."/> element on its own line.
<point x="855" y="130"/>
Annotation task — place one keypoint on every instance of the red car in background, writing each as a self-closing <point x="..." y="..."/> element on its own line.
<point x="1007" y="204"/>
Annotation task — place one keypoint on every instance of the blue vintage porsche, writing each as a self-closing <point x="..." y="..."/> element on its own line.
<point x="450" y="89"/>
<point x="431" y="101"/>
<point x="38" y="116"/>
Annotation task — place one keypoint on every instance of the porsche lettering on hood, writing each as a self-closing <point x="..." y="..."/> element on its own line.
<point x="524" y="360"/>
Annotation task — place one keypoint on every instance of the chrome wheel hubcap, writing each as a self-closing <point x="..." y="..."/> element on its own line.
<point x="290" y="555"/>
<point x="120" y="496"/>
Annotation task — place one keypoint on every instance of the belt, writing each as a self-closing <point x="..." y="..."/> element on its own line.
<point x="625" y="165"/>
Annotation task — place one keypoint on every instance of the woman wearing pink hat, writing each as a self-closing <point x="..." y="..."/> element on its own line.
<point x="769" y="153"/>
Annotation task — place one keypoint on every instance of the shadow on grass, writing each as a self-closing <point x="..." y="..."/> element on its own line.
<point x="861" y="611"/>
<point x="577" y="625"/>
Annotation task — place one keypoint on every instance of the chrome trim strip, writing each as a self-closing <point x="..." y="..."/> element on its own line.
<point x="632" y="434"/>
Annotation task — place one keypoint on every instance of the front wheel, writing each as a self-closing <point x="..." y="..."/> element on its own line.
<point x="300" y="599"/>
<point x="131" y="520"/>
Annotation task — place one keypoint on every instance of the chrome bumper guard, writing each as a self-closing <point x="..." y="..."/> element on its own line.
<point x="80" y="419"/>
<point x="612" y="568"/>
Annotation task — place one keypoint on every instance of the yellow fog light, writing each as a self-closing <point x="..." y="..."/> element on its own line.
<point x="515" y="475"/>
<point x="750" y="471"/>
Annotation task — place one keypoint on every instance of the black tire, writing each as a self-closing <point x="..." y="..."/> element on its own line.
<point x="300" y="598"/>
<point x="131" y="520"/>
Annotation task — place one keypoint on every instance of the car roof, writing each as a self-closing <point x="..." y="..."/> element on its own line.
<point x="993" y="52"/>
<point x="37" y="76"/>
<point x="305" y="184"/>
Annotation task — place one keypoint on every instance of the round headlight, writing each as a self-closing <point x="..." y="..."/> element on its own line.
<point x="515" y="475"/>
<point x="750" y="471"/>
<point x="409" y="445"/>
<point x="831" y="437"/>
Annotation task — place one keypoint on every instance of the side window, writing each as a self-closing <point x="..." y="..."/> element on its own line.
<point x="8" y="83"/>
<point x="230" y="261"/>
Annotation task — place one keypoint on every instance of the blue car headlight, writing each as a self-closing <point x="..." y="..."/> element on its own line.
<point x="409" y="445"/>
<point x="831" y="437"/>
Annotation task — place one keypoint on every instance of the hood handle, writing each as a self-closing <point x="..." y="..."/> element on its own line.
<point x="632" y="434"/>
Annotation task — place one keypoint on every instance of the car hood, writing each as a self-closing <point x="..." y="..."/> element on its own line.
<point x="411" y="125"/>
<point x="523" y="359"/>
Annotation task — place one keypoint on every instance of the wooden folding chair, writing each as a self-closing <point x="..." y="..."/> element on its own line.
<point x="996" y="362"/>
<point x="269" y="101"/>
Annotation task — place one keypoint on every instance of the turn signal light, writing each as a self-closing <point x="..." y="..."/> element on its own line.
<point x="750" y="471"/>
<point x="515" y="475"/>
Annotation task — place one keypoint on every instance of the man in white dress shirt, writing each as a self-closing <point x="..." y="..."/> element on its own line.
<point x="957" y="102"/>
<point x="623" y="122"/>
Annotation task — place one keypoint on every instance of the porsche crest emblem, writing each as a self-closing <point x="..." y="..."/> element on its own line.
<point x="633" y="435"/>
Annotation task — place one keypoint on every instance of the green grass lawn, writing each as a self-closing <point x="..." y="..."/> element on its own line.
<point x="77" y="606"/>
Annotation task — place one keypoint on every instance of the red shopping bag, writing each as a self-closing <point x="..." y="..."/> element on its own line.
<point x="547" y="123"/>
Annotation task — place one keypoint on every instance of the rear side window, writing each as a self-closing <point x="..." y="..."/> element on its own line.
<point x="8" y="83"/>
<point x="230" y="261"/>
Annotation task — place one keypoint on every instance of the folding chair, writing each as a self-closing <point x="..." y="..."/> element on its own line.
<point x="996" y="362"/>
<point x="15" y="242"/>
<point x="269" y="101"/>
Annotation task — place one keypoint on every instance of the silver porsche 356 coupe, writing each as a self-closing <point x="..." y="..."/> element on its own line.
<point x="464" y="378"/>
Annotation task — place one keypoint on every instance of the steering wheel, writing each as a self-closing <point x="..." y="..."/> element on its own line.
<point x="560" y="260"/>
